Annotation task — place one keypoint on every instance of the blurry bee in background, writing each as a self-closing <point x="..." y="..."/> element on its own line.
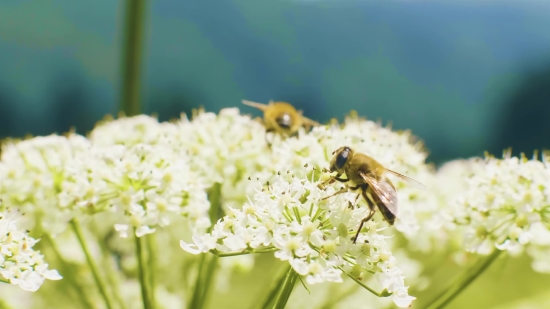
<point x="369" y="176"/>
<point x="282" y="117"/>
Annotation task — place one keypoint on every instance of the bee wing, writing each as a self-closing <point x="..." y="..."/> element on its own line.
<point x="408" y="180"/>
<point x="259" y="106"/>
<point x="384" y="191"/>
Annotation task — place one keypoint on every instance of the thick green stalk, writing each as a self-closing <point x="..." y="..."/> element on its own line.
<point x="207" y="266"/>
<point x="141" y="273"/>
<point x="115" y="284"/>
<point x="152" y="264"/>
<point x="131" y="57"/>
<point x="91" y="263"/>
<point x="112" y="279"/>
<point x="207" y="287"/>
<point x="68" y="274"/>
<point x="461" y="284"/>
<point x="275" y="290"/>
<point x="198" y="289"/>
<point x="286" y="289"/>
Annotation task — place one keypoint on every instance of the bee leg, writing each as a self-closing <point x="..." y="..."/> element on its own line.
<point x="344" y="189"/>
<point x="371" y="213"/>
<point x="361" y="225"/>
<point x="329" y="181"/>
<point x="337" y="177"/>
<point x="355" y="201"/>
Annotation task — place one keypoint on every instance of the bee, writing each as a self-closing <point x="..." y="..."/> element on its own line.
<point x="282" y="117"/>
<point x="368" y="176"/>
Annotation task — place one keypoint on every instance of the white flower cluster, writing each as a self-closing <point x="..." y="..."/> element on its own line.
<point x="141" y="129"/>
<point x="504" y="204"/>
<point x="19" y="263"/>
<point x="223" y="148"/>
<point x="149" y="185"/>
<point x="45" y="177"/>
<point x="57" y="178"/>
<point x="290" y="218"/>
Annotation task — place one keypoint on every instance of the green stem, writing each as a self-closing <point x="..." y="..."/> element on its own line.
<point x="210" y="270"/>
<point x="141" y="273"/>
<point x="131" y="57"/>
<point x="197" y="292"/>
<point x="286" y="289"/>
<point x="275" y="289"/>
<point x="114" y="283"/>
<point x="152" y="261"/>
<point x="207" y="266"/>
<point x="68" y="274"/>
<point x="461" y="284"/>
<point x="384" y="292"/>
<point x="112" y="279"/>
<point x="91" y="263"/>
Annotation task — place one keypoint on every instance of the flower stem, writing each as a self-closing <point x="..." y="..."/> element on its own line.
<point x="210" y="270"/>
<point x="207" y="266"/>
<point x="152" y="261"/>
<point x="131" y="57"/>
<point x="141" y="273"/>
<point x="197" y="292"/>
<point x="286" y="289"/>
<point x="275" y="289"/>
<point x="461" y="284"/>
<point x="68" y="274"/>
<point x="91" y="263"/>
<point x="112" y="279"/>
<point x="384" y="292"/>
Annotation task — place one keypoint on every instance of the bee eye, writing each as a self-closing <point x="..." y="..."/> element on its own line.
<point x="342" y="158"/>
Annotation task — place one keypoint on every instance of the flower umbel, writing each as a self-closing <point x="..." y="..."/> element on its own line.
<point x="505" y="205"/>
<point x="46" y="176"/>
<point x="149" y="185"/>
<point x="19" y="263"/>
<point x="289" y="217"/>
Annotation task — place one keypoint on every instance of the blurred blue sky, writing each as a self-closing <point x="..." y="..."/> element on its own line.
<point x="444" y="69"/>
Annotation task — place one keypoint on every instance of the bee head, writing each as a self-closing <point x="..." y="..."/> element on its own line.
<point x="284" y="120"/>
<point x="340" y="158"/>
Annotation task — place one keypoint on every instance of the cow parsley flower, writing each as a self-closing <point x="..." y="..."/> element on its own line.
<point x="505" y="205"/>
<point x="19" y="263"/>
<point x="46" y="176"/>
<point x="141" y="129"/>
<point x="225" y="148"/>
<point x="290" y="218"/>
<point x="148" y="185"/>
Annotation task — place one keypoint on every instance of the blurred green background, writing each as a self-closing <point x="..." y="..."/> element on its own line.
<point x="465" y="76"/>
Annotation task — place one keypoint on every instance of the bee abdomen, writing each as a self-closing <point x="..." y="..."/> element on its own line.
<point x="388" y="215"/>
